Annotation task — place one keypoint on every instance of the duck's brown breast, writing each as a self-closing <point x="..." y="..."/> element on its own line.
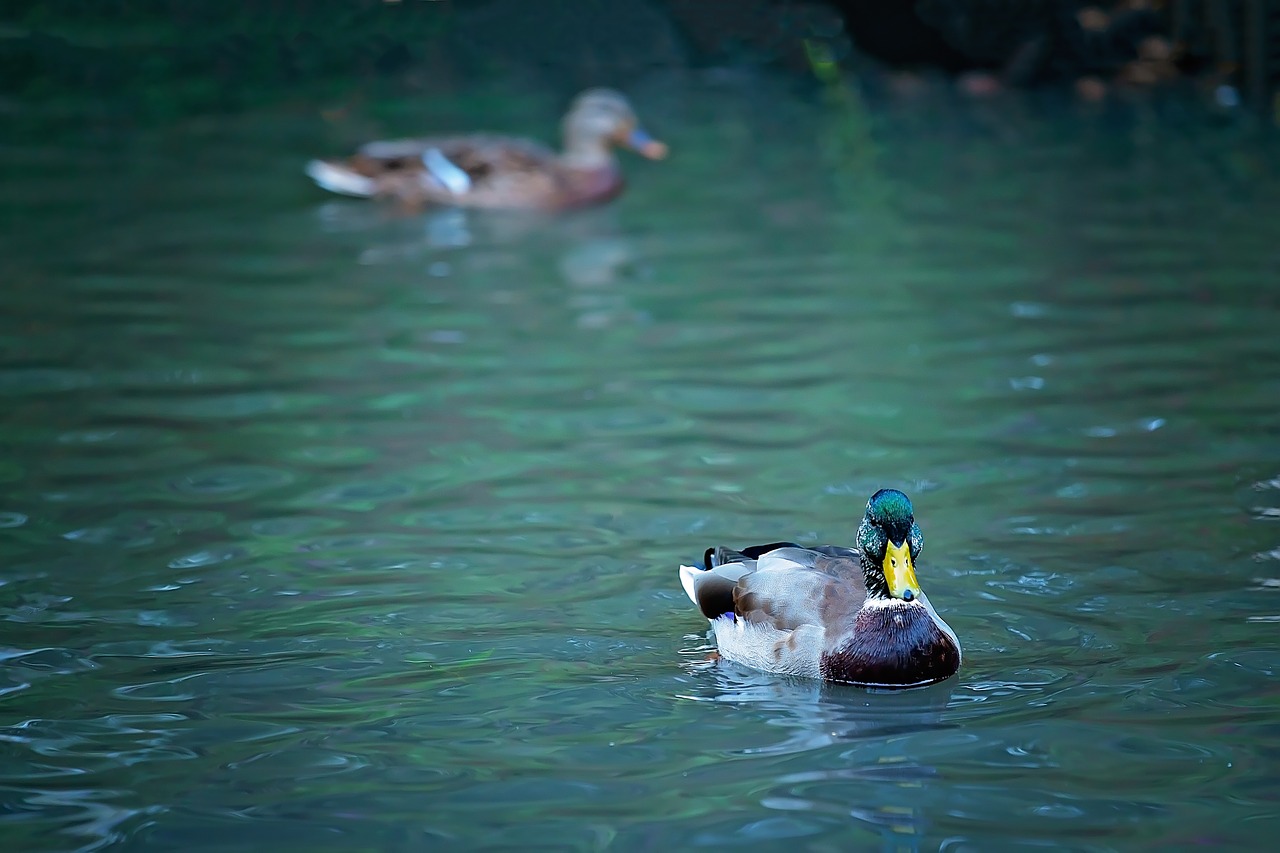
<point x="585" y="187"/>
<point x="897" y="645"/>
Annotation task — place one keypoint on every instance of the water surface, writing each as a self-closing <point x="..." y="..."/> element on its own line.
<point x="324" y="528"/>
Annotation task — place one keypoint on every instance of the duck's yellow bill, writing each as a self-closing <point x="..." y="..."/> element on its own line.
<point x="900" y="572"/>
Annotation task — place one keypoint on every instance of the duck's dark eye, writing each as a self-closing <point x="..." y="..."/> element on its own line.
<point x="916" y="540"/>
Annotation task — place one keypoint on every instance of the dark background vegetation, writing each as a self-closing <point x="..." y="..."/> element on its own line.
<point x="153" y="59"/>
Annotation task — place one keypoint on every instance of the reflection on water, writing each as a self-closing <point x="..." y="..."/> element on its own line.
<point x="875" y="780"/>
<point x="328" y="528"/>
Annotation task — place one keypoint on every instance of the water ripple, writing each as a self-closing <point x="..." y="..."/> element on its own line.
<point x="293" y="544"/>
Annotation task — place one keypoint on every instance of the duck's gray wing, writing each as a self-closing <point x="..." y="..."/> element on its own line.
<point x="842" y="562"/>
<point x="793" y="586"/>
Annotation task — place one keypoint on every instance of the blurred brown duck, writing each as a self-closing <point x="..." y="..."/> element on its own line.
<point x="483" y="170"/>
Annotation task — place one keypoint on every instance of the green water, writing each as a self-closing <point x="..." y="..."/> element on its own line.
<point x="327" y="529"/>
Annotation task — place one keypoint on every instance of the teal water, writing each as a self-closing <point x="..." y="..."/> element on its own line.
<point x="323" y="528"/>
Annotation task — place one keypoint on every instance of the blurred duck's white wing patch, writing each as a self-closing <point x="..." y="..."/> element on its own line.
<point x="444" y="170"/>
<point x="337" y="179"/>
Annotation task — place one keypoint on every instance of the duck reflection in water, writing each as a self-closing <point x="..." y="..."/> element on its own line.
<point x="879" y="783"/>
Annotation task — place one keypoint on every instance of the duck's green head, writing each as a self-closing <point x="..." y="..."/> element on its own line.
<point x="890" y="542"/>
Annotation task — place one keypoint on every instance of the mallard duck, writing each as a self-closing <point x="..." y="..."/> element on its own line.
<point x="853" y="615"/>
<point x="500" y="171"/>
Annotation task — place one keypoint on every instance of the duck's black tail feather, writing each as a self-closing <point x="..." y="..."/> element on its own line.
<point x="719" y="555"/>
